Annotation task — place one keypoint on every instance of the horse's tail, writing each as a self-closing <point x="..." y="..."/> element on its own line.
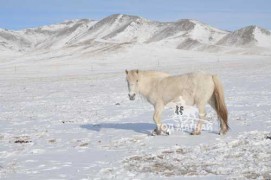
<point x="220" y="105"/>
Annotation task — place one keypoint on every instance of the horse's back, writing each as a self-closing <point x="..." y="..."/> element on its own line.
<point x="196" y="79"/>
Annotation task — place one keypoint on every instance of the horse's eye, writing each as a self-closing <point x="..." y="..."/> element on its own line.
<point x="136" y="80"/>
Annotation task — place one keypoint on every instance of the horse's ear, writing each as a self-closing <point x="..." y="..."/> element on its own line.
<point x="126" y="71"/>
<point x="137" y="71"/>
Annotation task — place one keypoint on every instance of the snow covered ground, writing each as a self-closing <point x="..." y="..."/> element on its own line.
<point x="67" y="116"/>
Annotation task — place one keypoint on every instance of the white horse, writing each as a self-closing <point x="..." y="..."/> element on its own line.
<point x="193" y="88"/>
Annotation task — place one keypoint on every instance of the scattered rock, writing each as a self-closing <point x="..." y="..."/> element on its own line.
<point x="67" y="121"/>
<point x="84" y="144"/>
<point x="52" y="141"/>
<point x="168" y="152"/>
<point x="22" y="141"/>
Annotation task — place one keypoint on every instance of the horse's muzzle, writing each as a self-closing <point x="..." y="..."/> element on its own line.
<point x="132" y="97"/>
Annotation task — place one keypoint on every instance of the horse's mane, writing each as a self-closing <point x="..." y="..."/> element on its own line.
<point x="153" y="73"/>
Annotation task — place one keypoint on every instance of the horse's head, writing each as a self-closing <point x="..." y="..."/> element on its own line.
<point x="132" y="78"/>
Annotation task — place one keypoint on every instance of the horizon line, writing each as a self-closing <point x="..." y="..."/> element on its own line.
<point x="149" y="19"/>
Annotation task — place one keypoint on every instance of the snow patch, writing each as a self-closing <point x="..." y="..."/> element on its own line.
<point x="234" y="159"/>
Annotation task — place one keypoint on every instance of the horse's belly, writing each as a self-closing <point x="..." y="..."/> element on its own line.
<point x="175" y="91"/>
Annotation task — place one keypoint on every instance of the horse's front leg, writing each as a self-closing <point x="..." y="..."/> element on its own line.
<point x="158" y="109"/>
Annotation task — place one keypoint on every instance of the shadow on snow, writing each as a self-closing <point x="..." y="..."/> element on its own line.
<point x="145" y="128"/>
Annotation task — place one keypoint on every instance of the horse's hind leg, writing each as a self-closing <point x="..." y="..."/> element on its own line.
<point x="223" y="126"/>
<point x="202" y="117"/>
<point x="158" y="109"/>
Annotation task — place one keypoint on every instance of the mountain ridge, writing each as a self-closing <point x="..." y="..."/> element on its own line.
<point x="187" y="34"/>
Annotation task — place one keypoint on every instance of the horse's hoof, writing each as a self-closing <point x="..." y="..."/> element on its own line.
<point x="222" y="133"/>
<point x="168" y="132"/>
<point x="156" y="132"/>
<point x="195" y="133"/>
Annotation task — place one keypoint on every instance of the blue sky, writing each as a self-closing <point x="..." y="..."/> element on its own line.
<point x="223" y="14"/>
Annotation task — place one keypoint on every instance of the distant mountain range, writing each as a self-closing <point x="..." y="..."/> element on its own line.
<point x="119" y="30"/>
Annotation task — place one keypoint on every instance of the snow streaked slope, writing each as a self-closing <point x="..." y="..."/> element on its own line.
<point x="13" y="41"/>
<point x="248" y="36"/>
<point x="188" y="29"/>
<point x="263" y="37"/>
<point x="120" y="28"/>
<point x="58" y="35"/>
